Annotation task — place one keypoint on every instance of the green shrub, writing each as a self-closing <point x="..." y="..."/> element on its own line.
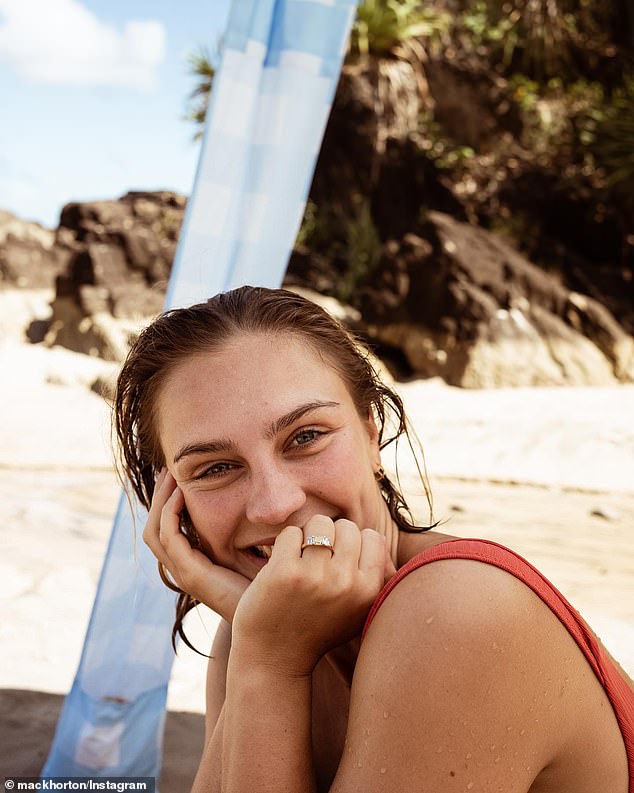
<point x="381" y="25"/>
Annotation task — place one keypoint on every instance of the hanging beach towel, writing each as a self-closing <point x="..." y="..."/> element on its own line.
<point x="269" y="106"/>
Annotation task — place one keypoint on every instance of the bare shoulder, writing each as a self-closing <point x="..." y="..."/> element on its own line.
<point x="456" y="683"/>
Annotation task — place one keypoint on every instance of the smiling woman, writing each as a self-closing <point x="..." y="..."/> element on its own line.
<point x="251" y="427"/>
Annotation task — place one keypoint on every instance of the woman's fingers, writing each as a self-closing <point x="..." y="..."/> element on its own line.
<point x="372" y="558"/>
<point x="189" y="568"/>
<point x="163" y="490"/>
<point x="317" y="533"/>
<point x="307" y="600"/>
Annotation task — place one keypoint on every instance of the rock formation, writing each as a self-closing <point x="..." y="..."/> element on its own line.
<point x="453" y="300"/>
<point x="463" y="304"/>
<point x="28" y="256"/>
<point x="118" y="259"/>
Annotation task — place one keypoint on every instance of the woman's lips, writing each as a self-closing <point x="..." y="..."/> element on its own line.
<point x="260" y="552"/>
<point x="254" y="557"/>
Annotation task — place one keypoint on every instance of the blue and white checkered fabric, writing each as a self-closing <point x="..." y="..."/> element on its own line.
<point x="269" y="108"/>
<point x="270" y="103"/>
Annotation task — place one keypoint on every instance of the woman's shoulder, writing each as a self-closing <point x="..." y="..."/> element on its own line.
<point x="444" y="666"/>
<point x="475" y="594"/>
<point x="470" y="587"/>
<point x="498" y="574"/>
<point x="461" y="614"/>
<point x="466" y="671"/>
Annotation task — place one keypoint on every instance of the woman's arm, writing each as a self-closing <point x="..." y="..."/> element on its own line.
<point x="217" y="677"/>
<point x="211" y="780"/>
<point x="294" y="612"/>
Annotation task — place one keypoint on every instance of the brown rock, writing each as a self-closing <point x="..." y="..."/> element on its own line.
<point x="479" y="314"/>
<point x="28" y="258"/>
<point x="27" y="265"/>
<point x="119" y="259"/>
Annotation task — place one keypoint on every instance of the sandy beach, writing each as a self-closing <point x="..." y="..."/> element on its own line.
<point x="549" y="472"/>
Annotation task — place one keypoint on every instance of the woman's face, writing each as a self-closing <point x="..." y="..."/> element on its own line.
<point x="263" y="434"/>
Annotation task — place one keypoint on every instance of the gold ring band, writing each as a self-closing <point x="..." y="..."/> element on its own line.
<point x="318" y="541"/>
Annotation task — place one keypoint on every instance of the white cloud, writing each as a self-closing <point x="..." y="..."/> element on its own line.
<point x="61" y="41"/>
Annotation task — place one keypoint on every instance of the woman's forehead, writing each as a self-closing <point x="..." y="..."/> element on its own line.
<point x="264" y="351"/>
<point x="276" y="369"/>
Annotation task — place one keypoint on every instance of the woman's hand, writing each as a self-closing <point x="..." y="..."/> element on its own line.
<point x="189" y="568"/>
<point x="304" y="603"/>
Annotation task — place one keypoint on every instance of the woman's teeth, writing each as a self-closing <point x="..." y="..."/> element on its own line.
<point x="263" y="551"/>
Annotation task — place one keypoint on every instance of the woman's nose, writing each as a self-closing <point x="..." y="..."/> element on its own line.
<point x="274" y="498"/>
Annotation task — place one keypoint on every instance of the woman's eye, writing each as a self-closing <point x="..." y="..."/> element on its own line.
<point x="305" y="437"/>
<point x="217" y="469"/>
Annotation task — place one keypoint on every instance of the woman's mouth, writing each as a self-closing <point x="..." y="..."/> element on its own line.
<point x="259" y="554"/>
<point x="262" y="551"/>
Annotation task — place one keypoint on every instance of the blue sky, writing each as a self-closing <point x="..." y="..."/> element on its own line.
<point x="93" y="94"/>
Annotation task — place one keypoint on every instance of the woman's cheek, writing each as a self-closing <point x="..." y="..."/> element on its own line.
<point x="210" y="518"/>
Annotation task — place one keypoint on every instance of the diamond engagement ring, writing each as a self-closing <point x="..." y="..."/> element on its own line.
<point x="318" y="541"/>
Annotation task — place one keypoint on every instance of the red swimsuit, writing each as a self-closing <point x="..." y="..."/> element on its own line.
<point x="617" y="689"/>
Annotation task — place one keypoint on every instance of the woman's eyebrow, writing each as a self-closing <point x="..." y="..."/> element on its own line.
<point x="204" y="447"/>
<point x="292" y="416"/>
<point x="226" y="445"/>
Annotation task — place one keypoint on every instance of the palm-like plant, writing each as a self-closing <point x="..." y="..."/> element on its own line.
<point x="202" y="68"/>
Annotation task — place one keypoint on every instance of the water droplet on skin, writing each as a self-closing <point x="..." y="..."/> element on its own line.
<point x="429" y="620"/>
<point x="522" y="732"/>
<point x="469" y="756"/>
<point x="359" y="764"/>
<point x="492" y="747"/>
<point x="470" y="785"/>
<point x="386" y="714"/>
<point x="384" y="770"/>
<point x="497" y="760"/>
